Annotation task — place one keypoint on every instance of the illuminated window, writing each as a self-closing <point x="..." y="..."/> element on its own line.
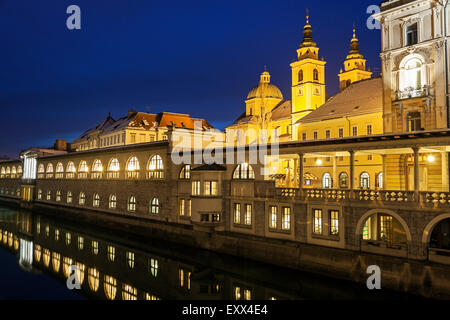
<point x="317" y="226"/>
<point x="111" y="253"/>
<point x="210" y="188"/>
<point x="82" y="199"/>
<point x="326" y="181"/>
<point x="334" y="222"/>
<point x="185" y="173"/>
<point x="379" y="180"/>
<point x="154" y="206"/>
<point x="37" y="252"/>
<point x="112" y="201"/>
<point x="94" y="246"/>
<point x="59" y="171"/>
<point x="195" y="188"/>
<point x="56" y="261"/>
<point x="49" y="195"/>
<point x="46" y="257"/>
<point x="153" y="263"/>
<point x="184" y="278"/>
<point x="248" y="214"/>
<point x="365" y="180"/>
<point x="244" y="171"/>
<point x="182" y="207"/>
<point x="68" y="238"/>
<point x="133" y="168"/>
<point x="49" y="171"/>
<point x="286" y="219"/>
<point x="79" y="272"/>
<point x="131" y="204"/>
<point x="386" y="231"/>
<point x="110" y="287"/>
<point x="97" y="170"/>
<point x="343" y="180"/>
<point x="69" y="197"/>
<point x="83" y="170"/>
<point x="189" y="208"/>
<point x="237" y="213"/>
<point x="58" y="196"/>
<point x="414" y="121"/>
<point x="156" y="168"/>
<point x="130" y="259"/>
<point x="149" y="296"/>
<point x="273" y="217"/>
<point x="56" y="234"/>
<point x="70" y="171"/>
<point x="113" y="169"/>
<point x="128" y="292"/>
<point x="67" y="263"/>
<point x="96" y="201"/>
<point x="93" y="279"/>
<point x="80" y="243"/>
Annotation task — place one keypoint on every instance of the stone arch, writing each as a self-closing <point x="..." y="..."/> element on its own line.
<point x="361" y="221"/>
<point x="431" y="225"/>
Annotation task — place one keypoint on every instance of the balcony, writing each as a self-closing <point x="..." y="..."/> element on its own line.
<point x="409" y="93"/>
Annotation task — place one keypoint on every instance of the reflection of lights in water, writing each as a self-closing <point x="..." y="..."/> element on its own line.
<point x="26" y="254"/>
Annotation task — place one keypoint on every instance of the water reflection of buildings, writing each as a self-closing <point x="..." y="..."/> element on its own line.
<point x="115" y="268"/>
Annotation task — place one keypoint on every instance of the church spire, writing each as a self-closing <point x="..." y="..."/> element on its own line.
<point x="307" y="34"/>
<point x="354" y="45"/>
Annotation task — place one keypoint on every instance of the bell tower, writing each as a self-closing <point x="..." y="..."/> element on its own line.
<point x="308" y="79"/>
<point x="354" y="65"/>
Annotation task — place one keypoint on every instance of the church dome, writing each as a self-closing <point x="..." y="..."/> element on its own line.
<point x="265" y="89"/>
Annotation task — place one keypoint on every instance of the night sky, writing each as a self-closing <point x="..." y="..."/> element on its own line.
<point x="195" y="57"/>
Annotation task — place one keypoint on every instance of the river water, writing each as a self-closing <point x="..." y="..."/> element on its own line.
<point x="41" y="257"/>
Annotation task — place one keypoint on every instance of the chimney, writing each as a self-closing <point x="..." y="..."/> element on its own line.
<point x="60" y="145"/>
<point x="131" y="112"/>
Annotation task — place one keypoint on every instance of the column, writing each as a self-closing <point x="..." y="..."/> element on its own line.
<point x="300" y="171"/>
<point x="383" y="157"/>
<point x="296" y="180"/>
<point x="445" y="177"/>
<point x="352" y="170"/>
<point x="335" y="174"/>
<point x="416" y="170"/>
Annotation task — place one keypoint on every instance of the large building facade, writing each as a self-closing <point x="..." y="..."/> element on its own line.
<point x="360" y="175"/>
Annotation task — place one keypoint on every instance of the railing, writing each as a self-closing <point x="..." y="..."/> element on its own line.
<point x="426" y="198"/>
<point x="411" y="92"/>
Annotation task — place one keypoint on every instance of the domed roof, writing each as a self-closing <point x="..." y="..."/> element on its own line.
<point x="265" y="89"/>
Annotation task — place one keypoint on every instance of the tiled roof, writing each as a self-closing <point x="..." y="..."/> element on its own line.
<point x="359" y="98"/>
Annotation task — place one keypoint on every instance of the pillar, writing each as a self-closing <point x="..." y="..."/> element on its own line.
<point x="352" y="169"/>
<point x="300" y="171"/>
<point x="335" y="174"/>
<point x="383" y="157"/>
<point x="416" y="170"/>
<point x="445" y="165"/>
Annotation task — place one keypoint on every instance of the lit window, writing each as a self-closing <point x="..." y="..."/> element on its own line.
<point x="343" y="180"/>
<point x="156" y="168"/>
<point x="130" y="259"/>
<point x="83" y="170"/>
<point x="59" y="171"/>
<point x="80" y="243"/>
<point x="94" y="246"/>
<point x="68" y="238"/>
<point x="70" y="171"/>
<point x="56" y="234"/>
<point x="96" y="201"/>
<point x="237" y="213"/>
<point x="334" y="222"/>
<point x="128" y="292"/>
<point x="56" y="261"/>
<point x="248" y="214"/>
<point x="195" y="188"/>
<point x="317" y="226"/>
<point x="58" y="196"/>
<point x="49" y="195"/>
<point x="112" y="201"/>
<point x="184" y="278"/>
<point x="273" y="217"/>
<point x="133" y="168"/>
<point x="286" y="219"/>
<point x="189" y="208"/>
<point x="154" y="206"/>
<point x="82" y="199"/>
<point x="182" y="207"/>
<point x="49" y="171"/>
<point x="69" y="197"/>
<point x="97" y="170"/>
<point x="110" y="287"/>
<point x="41" y="171"/>
<point x="326" y="181"/>
<point x="131" y="204"/>
<point x="185" y="173"/>
<point x="210" y="188"/>
<point x="379" y="180"/>
<point x="113" y="169"/>
<point x="365" y="180"/>
<point x="111" y="253"/>
<point x="93" y="279"/>
<point x="153" y="267"/>
<point x="244" y="171"/>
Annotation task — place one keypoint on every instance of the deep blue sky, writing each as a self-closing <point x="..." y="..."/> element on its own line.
<point x="196" y="57"/>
